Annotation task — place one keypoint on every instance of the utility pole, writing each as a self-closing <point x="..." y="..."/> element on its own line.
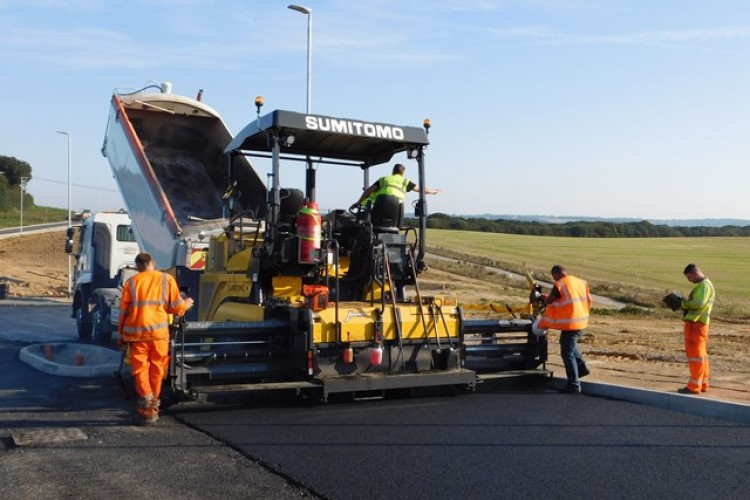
<point x="24" y="180"/>
<point x="67" y="135"/>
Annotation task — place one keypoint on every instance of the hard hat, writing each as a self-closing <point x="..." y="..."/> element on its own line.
<point x="539" y="332"/>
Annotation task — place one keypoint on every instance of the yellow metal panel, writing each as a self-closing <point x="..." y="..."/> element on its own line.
<point x="289" y="287"/>
<point x="240" y="261"/>
<point x="217" y="288"/>
<point x="358" y="323"/>
<point x="217" y="253"/>
<point x="238" y="311"/>
<point x="343" y="267"/>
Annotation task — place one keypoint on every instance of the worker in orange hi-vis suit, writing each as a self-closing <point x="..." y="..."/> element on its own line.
<point x="696" y="311"/>
<point x="148" y="298"/>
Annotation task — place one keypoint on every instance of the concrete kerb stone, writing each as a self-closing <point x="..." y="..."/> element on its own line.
<point x="71" y="359"/>
<point x="684" y="403"/>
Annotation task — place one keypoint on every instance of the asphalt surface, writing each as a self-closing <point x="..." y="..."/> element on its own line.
<point x="492" y="445"/>
<point x="79" y="441"/>
<point x="496" y="443"/>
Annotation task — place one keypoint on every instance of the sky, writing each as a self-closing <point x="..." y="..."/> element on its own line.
<point x="597" y="108"/>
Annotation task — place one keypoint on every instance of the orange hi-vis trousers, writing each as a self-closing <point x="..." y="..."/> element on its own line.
<point x="149" y="360"/>
<point x="696" y="340"/>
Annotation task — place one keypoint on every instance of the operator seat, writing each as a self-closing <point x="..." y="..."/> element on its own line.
<point x="291" y="200"/>
<point x="387" y="214"/>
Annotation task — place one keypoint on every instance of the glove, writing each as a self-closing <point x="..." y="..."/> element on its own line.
<point x="543" y="297"/>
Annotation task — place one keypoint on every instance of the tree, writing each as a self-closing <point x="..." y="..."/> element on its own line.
<point x="4" y="194"/>
<point x="14" y="169"/>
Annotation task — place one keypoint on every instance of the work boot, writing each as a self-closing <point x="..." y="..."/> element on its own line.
<point x="685" y="390"/>
<point x="148" y="407"/>
<point x="146" y="421"/>
<point x="570" y="389"/>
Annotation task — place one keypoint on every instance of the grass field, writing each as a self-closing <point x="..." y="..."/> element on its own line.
<point x="33" y="215"/>
<point x="636" y="270"/>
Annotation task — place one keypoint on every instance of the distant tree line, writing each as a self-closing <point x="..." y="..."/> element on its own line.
<point x="593" y="229"/>
<point x="12" y="172"/>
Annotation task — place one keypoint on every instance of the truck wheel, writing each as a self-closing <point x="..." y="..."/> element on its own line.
<point x="83" y="323"/>
<point x="99" y="324"/>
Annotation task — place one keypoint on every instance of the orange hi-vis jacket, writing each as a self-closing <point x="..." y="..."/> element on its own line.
<point x="570" y="311"/>
<point x="148" y="298"/>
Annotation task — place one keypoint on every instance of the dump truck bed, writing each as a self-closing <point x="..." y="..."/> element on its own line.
<point x="166" y="153"/>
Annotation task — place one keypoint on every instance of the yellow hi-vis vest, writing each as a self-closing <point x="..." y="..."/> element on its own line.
<point x="570" y="311"/>
<point x="370" y="200"/>
<point x="697" y="307"/>
<point x="394" y="185"/>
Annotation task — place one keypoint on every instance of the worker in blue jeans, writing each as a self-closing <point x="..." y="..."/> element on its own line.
<point x="567" y="309"/>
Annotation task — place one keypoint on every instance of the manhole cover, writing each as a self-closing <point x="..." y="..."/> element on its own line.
<point x="47" y="436"/>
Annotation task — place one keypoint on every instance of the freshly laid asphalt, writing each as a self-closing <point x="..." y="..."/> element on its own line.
<point x="63" y="437"/>
<point x="538" y="444"/>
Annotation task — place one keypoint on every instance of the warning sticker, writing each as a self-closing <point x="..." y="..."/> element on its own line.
<point x="198" y="258"/>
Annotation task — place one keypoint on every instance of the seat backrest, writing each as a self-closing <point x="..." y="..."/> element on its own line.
<point x="387" y="213"/>
<point x="291" y="200"/>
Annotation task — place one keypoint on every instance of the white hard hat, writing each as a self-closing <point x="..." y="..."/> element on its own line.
<point x="539" y="332"/>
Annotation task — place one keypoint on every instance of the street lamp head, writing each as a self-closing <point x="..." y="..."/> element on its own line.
<point x="308" y="12"/>
<point x="299" y="8"/>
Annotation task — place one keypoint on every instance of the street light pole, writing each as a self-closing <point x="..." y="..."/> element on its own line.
<point x="24" y="180"/>
<point x="67" y="135"/>
<point x="308" y="12"/>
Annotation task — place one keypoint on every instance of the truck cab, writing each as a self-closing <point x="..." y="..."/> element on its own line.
<point x="105" y="250"/>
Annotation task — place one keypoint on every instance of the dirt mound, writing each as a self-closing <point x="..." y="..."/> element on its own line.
<point x="35" y="265"/>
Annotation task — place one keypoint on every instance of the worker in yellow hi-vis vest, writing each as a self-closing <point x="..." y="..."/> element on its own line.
<point x="394" y="185"/>
<point x="696" y="310"/>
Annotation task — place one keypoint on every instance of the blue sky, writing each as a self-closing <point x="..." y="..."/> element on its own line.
<point x="605" y="108"/>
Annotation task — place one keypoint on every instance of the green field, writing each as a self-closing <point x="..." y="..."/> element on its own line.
<point x="637" y="270"/>
<point x="32" y="215"/>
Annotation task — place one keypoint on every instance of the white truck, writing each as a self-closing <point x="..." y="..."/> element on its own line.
<point x="105" y="257"/>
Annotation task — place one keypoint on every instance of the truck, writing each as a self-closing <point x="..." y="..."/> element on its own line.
<point x="287" y="297"/>
<point x="104" y="257"/>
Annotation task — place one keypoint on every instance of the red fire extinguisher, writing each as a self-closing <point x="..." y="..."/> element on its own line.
<point x="308" y="231"/>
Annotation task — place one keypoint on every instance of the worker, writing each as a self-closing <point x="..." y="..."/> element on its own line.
<point x="147" y="300"/>
<point x="567" y="309"/>
<point x="696" y="309"/>
<point x="395" y="185"/>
